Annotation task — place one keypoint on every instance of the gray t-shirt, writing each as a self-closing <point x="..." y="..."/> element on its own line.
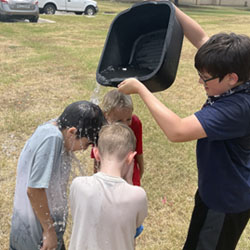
<point x="43" y="163"/>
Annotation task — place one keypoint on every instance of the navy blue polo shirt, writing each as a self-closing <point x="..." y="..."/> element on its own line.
<point x="223" y="157"/>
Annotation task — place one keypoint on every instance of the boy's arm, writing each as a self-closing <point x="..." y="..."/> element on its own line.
<point x="192" y="30"/>
<point x="174" y="127"/>
<point x="140" y="161"/>
<point x="39" y="203"/>
<point x="142" y="204"/>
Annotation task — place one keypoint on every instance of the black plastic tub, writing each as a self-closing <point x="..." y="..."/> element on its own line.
<point x="144" y="42"/>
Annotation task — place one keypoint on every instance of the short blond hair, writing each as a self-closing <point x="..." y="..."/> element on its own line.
<point x="115" y="99"/>
<point x="117" y="140"/>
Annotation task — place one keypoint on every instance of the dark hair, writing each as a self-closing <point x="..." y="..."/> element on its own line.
<point x="223" y="54"/>
<point x="85" y="116"/>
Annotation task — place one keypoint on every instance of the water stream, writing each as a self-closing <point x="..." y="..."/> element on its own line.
<point x="95" y="97"/>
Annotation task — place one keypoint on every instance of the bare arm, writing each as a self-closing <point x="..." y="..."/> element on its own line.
<point x="140" y="161"/>
<point x="39" y="202"/>
<point x="175" y="128"/>
<point x="192" y="30"/>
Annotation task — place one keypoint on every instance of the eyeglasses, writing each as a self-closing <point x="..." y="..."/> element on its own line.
<point x="206" y="80"/>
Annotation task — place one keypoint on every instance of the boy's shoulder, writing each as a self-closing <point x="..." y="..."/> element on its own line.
<point x="81" y="180"/>
<point x="236" y="100"/>
<point x="48" y="129"/>
<point x="87" y="181"/>
<point x="135" y="118"/>
<point x="136" y="122"/>
<point x="138" y="192"/>
<point x="138" y="197"/>
<point x="45" y="133"/>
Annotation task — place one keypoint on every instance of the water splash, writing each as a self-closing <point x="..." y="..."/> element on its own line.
<point x="96" y="95"/>
<point x="77" y="168"/>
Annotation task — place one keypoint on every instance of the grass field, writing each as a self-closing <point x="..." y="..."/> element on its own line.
<point x="46" y="66"/>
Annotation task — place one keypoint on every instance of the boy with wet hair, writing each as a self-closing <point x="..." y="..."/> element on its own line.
<point x="40" y="203"/>
<point x="222" y="131"/>
<point x="106" y="210"/>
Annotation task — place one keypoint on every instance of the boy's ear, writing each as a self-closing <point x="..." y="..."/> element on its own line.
<point x="96" y="153"/>
<point x="130" y="157"/>
<point x="233" y="78"/>
<point x="71" y="131"/>
<point x="106" y="115"/>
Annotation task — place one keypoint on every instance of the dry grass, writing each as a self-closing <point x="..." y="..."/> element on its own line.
<point x="44" y="67"/>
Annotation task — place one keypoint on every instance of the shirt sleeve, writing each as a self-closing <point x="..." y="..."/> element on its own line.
<point x="46" y="156"/>
<point x="142" y="205"/>
<point x="137" y="128"/>
<point x="225" y="119"/>
<point x="92" y="153"/>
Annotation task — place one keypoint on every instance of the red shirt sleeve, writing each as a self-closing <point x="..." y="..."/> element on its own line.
<point x="136" y="126"/>
<point x="92" y="153"/>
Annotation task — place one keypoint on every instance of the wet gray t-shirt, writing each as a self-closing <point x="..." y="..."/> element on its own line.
<point x="43" y="163"/>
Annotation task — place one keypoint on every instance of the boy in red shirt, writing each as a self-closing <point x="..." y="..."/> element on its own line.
<point x="118" y="107"/>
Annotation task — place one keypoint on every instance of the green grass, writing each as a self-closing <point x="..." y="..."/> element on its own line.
<point x="46" y="66"/>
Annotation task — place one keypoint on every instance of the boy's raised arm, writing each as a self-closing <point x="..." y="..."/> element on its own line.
<point x="175" y="128"/>
<point x="192" y="30"/>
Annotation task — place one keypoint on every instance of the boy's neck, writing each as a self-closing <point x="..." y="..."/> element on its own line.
<point x="111" y="167"/>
